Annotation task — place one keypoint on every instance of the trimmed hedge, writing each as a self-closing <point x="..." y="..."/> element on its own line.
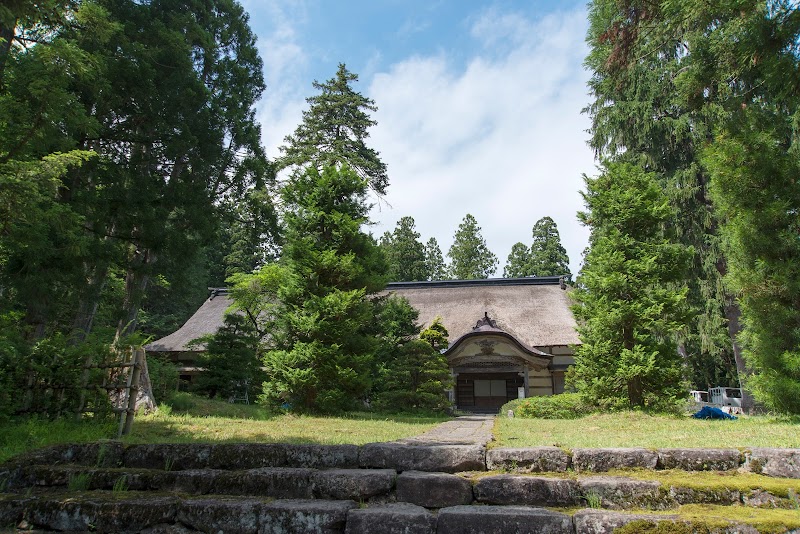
<point x="561" y="406"/>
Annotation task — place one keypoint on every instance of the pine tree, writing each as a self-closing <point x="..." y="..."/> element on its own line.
<point x="518" y="263"/>
<point x="548" y="256"/>
<point x="334" y="131"/>
<point x="404" y="253"/>
<point x="434" y="261"/>
<point x="630" y="295"/>
<point x="322" y="350"/>
<point x="644" y="113"/>
<point x="469" y="256"/>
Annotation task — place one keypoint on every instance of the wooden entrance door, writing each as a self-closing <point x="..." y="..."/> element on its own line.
<point x="486" y="391"/>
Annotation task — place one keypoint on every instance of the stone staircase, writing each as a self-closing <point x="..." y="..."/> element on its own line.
<point x="382" y="488"/>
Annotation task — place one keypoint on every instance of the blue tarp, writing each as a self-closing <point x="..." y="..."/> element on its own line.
<point x="707" y="412"/>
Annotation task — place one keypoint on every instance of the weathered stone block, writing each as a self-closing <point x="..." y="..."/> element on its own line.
<point x="774" y="462"/>
<point x="699" y="459"/>
<point x="721" y="496"/>
<point x="398" y="518"/>
<point x="442" y="458"/>
<point x="276" y="482"/>
<point x="528" y="460"/>
<point x="526" y="490"/>
<point x="322" y="456"/>
<point x="220" y="515"/>
<point x="305" y="516"/>
<point x="433" y="490"/>
<point x="93" y="514"/>
<point x="501" y="520"/>
<point x="619" y="492"/>
<point x="605" y="522"/>
<point x="168" y="456"/>
<point x="355" y="484"/>
<point x="246" y="456"/>
<point x="11" y="510"/>
<point x="598" y="460"/>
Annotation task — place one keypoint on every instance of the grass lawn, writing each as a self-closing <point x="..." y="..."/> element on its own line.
<point x="195" y="419"/>
<point x="636" y="429"/>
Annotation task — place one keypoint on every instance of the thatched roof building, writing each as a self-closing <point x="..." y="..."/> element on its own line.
<point x="508" y="337"/>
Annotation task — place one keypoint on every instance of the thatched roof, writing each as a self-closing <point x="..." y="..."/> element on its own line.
<point x="206" y="320"/>
<point x="534" y="310"/>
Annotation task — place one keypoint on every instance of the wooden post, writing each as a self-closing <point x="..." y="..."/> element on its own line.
<point x="123" y="414"/>
<point x="133" y="389"/>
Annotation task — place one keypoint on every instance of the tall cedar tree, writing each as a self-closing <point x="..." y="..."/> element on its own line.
<point x="404" y="253"/>
<point x="470" y="258"/>
<point x="717" y="84"/>
<point x="334" y="130"/>
<point x="163" y="93"/>
<point x="643" y="113"/>
<point x="630" y="296"/>
<point x="548" y="256"/>
<point x="434" y="261"/>
<point x="519" y="262"/>
<point x="323" y="351"/>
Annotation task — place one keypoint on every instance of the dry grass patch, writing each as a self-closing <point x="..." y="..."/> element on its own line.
<point x="637" y="429"/>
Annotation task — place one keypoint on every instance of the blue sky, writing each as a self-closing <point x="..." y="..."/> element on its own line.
<point x="479" y="105"/>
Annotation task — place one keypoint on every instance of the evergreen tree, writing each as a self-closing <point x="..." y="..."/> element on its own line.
<point x="690" y="88"/>
<point x="644" y="114"/>
<point x="470" y="258"/>
<point x="630" y="296"/>
<point x="322" y="351"/>
<point x="548" y="257"/>
<point x="434" y="261"/>
<point x="334" y="131"/>
<point x="518" y="263"/>
<point x="436" y="335"/>
<point x="231" y="364"/>
<point x="418" y="376"/>
<point x="404" y="253"/>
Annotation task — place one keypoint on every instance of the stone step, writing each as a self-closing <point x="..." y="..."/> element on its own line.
<point x="410" y="457"/>
<point x="427" y="489"/>
<point x="275" y="482"/>
<point x="152" y="514"/>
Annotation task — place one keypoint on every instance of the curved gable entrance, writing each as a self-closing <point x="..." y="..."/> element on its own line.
<point x="491" y="367"/>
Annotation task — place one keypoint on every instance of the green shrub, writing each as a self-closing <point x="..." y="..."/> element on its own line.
<point x="164" y="377"/>
<point x="561" y="406"/>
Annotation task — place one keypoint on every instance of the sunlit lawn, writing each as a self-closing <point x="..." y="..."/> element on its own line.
<point x="636" y="429"/>
<point x="194" y="419"/>
<point x="356" y="429"/>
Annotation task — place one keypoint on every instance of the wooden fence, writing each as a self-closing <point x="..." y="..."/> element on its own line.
<point x="110" y="385"/>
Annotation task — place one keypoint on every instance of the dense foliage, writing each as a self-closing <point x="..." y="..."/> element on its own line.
<point x="321" y="350"/>
<point x="470" y="258"/>
<point x="630" y="297"/>
<point x="334" y="132"/>
<point x="561" y="406"/>
<point x="127" y="136"/>
<point x="706" y="95"/>
<point x="545" y="257"/>
<point x="405" y="254"/>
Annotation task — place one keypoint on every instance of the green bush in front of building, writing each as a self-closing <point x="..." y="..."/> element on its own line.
<point x="561" y="406"/>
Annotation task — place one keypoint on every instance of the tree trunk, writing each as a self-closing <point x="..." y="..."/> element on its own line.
<point x="732" y="314"/>
<point x="136" y="281"/>
<point x="6" y="37"/>
<point x="88" y="303"/>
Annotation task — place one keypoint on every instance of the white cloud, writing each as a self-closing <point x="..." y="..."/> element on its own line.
<point x="502" y="138"/>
